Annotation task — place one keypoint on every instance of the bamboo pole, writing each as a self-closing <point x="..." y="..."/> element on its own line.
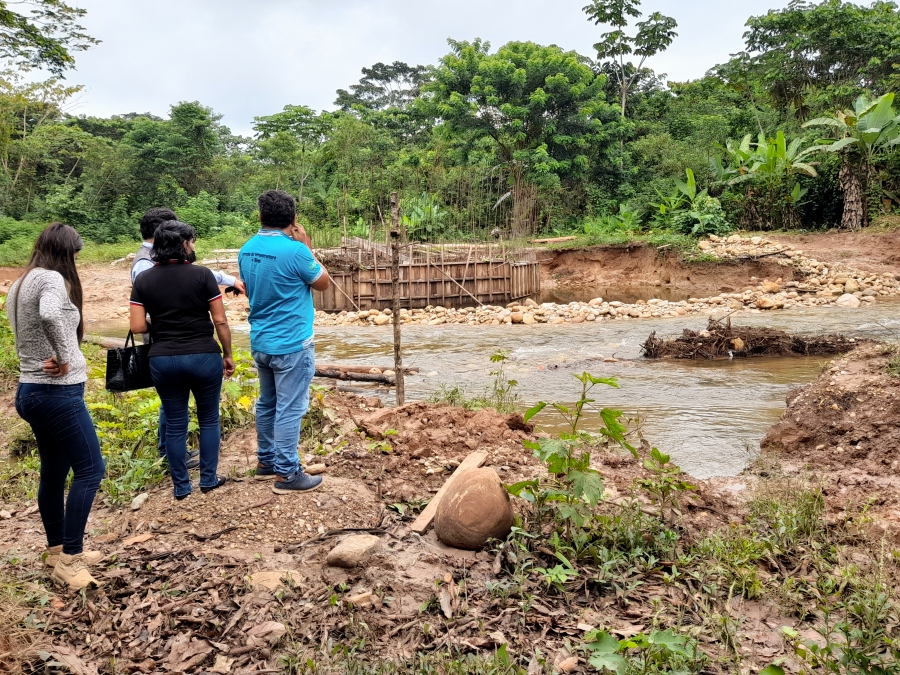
<point x="395" y="287"/>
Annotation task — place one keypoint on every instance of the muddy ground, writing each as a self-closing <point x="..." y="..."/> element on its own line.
<point x="845" y="426"/>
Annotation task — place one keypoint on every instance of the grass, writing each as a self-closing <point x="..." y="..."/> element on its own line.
<point x="126" y="426"/>
<point x="20" y="639"/>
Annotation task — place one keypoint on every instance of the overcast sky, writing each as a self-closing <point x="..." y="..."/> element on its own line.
<point x="251" y="58"/>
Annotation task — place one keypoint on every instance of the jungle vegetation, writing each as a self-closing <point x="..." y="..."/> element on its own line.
<point x="797" y="131"/>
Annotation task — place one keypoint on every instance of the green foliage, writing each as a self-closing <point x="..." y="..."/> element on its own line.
<point x="664" y="484"/>
<point x="654" y="35"/>
<point x="44" y="36"/>
<point x="661" y="652"/>
<point x="691" y="211"/>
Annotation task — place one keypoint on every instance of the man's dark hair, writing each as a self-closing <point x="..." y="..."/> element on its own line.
<point x="276" y="209"/>
<point x="168" y="242"/>
<point x="153" y="219"/>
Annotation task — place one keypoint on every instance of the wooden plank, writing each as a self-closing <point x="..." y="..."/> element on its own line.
<point x="552" y="240"/>
<point x="473" y="461"/>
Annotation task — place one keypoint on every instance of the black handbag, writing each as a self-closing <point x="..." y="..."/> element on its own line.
<point x="128" y="368"/>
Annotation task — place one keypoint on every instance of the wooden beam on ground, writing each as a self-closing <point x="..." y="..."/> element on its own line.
<point x="473" y="461"/>
<point x="552" y="240"/>
<point x="355" y="377"/>
<point x="363" y="369"/>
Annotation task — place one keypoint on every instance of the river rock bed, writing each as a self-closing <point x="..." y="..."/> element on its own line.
<point x="822" y="284"/>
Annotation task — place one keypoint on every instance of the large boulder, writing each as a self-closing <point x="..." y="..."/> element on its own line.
<point x="474" y="509"/>
<point x="848" y="300"/>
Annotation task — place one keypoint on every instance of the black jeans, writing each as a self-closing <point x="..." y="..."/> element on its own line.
<point x="66" y="439"/>
<point x="175" y="379"/>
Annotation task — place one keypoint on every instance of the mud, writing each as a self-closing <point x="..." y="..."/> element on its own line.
<point x="845" y="428"/>
<point x="642" y="266"/>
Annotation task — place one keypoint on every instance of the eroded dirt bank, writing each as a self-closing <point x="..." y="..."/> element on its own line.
<point x="644" y="265"/>
<point x="845" y="429"/>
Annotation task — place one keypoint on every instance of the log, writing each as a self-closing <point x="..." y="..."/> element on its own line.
<point x="552" y="240"/>
<point x="423" y="521"/>
<point x="105" y="342"/>
<point x="357" y="377"/>
<point x="363" y="369"/>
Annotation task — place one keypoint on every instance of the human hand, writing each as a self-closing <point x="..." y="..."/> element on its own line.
<point x="228" y="366"/>
<point x="55" y="369"/>
<point x="240" y="286"/>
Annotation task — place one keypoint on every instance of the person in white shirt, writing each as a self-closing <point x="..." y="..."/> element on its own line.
<point x="142" y="262"/>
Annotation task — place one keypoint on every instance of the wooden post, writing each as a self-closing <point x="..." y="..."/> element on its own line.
<point x="395" y="286"/>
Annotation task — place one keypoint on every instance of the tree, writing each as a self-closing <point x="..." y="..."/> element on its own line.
<point x="543" y="108"/>
<point x="42" y="35"/>
<point x="654" y="35"/>
<point x="290" y="140"/>
<point x="820" y="56"/>
<point x="866" y="135"/>
<point x="384" y="86"/>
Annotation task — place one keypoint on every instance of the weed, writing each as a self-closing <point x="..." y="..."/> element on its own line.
<point x="660" y="652"/>
<point x="893" y="366"/>
<point x="665" y="484"/>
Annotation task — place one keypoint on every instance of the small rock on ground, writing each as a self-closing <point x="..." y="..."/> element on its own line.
<point x="354" y="551"/>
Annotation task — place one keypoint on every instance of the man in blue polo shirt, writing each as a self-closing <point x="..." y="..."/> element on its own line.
<point x="280" y="274"/>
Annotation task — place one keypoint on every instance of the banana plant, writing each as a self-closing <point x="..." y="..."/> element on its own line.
<point x="864" y="137"/>
<point x="768" y="158"/>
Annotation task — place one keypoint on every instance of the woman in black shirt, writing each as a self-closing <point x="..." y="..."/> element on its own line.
<point x="184" y="357"/>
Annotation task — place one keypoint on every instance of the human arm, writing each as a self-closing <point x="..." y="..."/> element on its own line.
<point x="137" y="319"/>
<point x="53" y="302"/>
<point x="220" y="321"/>
<point x="141" y="265"/>
<point x="309" y="269"/>
<point x="223" y="279"/>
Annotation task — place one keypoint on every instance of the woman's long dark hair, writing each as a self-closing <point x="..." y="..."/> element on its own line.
<point x="168" y="243"/>
<point x="55" y="250"/>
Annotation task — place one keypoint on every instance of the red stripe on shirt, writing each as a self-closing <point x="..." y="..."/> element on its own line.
<point x="135" y="302"/>
<point x="215" y="298"/>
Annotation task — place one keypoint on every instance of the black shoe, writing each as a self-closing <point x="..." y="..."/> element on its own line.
<point x="221" y="481"/>
<point x="192" y="463"/>
<point x="299" y="482"/>
<point x="182" y="497"/>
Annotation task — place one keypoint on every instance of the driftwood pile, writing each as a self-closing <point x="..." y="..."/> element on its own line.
<point x="722" y="340"/>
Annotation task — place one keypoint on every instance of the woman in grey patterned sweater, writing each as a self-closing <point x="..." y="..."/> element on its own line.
<point x="44" y="308"/>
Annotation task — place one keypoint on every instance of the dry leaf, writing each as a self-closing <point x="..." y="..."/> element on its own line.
<point x="446" y="601"/>
<point x="137" y="539"/>
<point x="222" y="665"/>
<point x="66" y="655"/>
<point x="270" y="630"/>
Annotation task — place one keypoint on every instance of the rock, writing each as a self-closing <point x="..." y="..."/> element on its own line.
<point x="851" y="286"/>
<point x="531" y="303"/>
<point x="475" y="509"/>
<point x="366" y="599"/>
<point x="315" y="469"/>
<point x="765" y="303"/>
<point x="517" y="317"/>
<point x="738" y="344"/>
<point x="5" y="515"/>
<point x="771" y="287"/>
<point x="139" y="501"/>
<point x="734" y="239"/>
<point x="269" y="580"/>
<point x="382" y="320"/>
<point x="756" y="241"/>
<point x="704" y="245"/>
<point x="354" y="551"/>
<point x="388" y="373"/>
<point x="529" y="319"/>
<point x="848" y="300"/>
<point x="596" y="302"/>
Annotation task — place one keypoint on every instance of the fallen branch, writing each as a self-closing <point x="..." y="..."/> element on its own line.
<point x="358" y="377"/>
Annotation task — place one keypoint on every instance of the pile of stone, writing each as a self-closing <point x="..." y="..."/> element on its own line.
<point x="822" y="284"/>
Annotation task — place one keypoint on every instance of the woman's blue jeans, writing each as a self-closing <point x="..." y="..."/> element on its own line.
<point x="175" y="379"/>
<point x="66" y="439"/>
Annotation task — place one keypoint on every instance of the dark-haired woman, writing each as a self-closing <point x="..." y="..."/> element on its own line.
<point x="44" y="308"/>
<point x="184" y="358"/>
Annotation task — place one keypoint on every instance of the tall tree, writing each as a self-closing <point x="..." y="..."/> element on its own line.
<point x="543" y="108"/>
<point x="654" y="35"/>
<point x="384" y="86"/>
<point x="820" y="56"/>
<point x="864" y="137"/>
<point x="42" y="34"/>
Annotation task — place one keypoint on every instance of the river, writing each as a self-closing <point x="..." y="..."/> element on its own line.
<point x="709" y="416"/>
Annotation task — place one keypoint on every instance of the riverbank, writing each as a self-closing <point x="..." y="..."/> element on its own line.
<point x="723" y="576"/>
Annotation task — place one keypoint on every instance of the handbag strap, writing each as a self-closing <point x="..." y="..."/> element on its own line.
<point x="130" y="337"/>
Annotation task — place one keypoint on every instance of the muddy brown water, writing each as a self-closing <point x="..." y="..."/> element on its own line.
<point x="709" y="416"/>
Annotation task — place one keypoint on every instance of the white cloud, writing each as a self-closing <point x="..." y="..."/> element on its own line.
<point x="251" y="58"/>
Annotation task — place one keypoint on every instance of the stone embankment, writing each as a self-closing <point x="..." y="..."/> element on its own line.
<point x="821" y="284"/>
